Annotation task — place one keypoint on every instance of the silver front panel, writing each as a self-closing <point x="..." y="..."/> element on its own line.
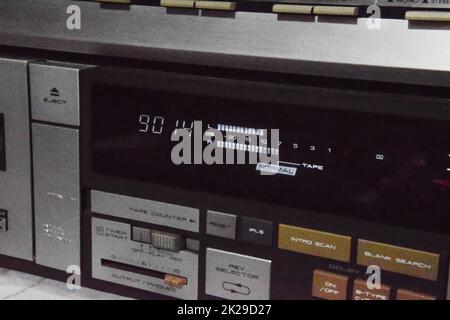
<point x="112" y="241"/>
<point x="15" y="182"/>
<point x="448" y="284"/>
<point x="55" y="92"/>
<point x="161" y="213"/>
<point x="399" y="51"/>
<point x="237" y="277"/>
<point x="57" y="196"/>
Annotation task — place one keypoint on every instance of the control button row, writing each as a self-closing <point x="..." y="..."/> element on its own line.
<point x="414" y="15"/>
<point x="251" y="230"/>
<point x="206" y="5"/>
<point x="317" y="10"/>
<point x="331" y="286"/>
<point x="277" y="8"/>
<point x="406" y="261"/>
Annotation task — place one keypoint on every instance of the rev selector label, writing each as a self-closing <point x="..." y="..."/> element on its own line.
<point x="237" y="277"/>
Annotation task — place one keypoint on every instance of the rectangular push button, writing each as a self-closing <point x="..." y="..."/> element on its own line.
<point x="403" y="294"/>
<point x="177" y="4"/>
<point x="315" y="243"/>
<point x="401" y="260"/>
<point x="292" y="9"/>
<point x="236" y="276"/>
<point x="216" y="5"/>
<point x="256" y="231"/>
<point x="437" y="16"/>
<point x="336" y="11"/>
<point x="362" y="292"/>
<point x="221" y="224"/>
<point x="54" y="92"/>
<point x="329" y="286"/>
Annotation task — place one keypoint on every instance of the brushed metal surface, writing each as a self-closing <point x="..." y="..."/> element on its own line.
<point x="399" y="51"/>
<point x="56" y="195"/>
<point x="160" y="213"/>
<point x="235" y="276"/>
<point x="15" y="182"/>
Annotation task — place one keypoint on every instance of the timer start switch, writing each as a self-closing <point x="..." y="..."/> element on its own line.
<point x="167" y="241"/>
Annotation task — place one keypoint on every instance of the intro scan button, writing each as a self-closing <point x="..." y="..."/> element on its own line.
<point x="315" y="243"/>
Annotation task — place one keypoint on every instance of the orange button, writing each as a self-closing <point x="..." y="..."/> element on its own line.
<point x="420" y="264"/>
<point x="314" y="242"/>
<point x="362" y="292"/>
<point x="329" y="286"/>
<point x="403" y="294"/>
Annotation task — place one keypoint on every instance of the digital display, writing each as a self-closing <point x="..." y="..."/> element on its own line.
<point x="370" y="166"/>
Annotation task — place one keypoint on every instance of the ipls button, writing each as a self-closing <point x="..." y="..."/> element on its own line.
<point x="237" y="277"/>
<point x="256" y="231"/>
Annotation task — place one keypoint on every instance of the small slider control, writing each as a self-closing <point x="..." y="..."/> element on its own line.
<point x="3" y="220"/>
<point x="292" y="9"/>
<point x="336" y="11"/>
<point x="438" y="16"/>
<point x="167" y="241"/>
<point x="177" y="4"/>
<point x="215" y="5"/>
<point x="175" y="281"/>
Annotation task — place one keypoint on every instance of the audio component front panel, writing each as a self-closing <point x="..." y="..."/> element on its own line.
<point x="339" y="200"/>
<point x="125" y="173"/>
